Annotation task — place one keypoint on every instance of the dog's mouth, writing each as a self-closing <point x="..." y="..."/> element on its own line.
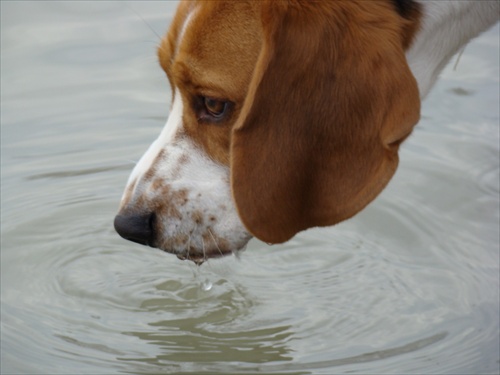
<point x="200" y="259"/>
<point x="199" y="245"/>
<point x="200" y="248"/>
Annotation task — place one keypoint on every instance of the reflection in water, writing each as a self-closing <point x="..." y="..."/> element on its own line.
<point x="203" y="326"/>
<point x="182" y="341"/>
<point x="212" y="349"/>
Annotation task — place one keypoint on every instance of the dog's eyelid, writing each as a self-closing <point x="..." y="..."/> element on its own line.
<point x="216" y="108"/>
<point x="210" y="109"/>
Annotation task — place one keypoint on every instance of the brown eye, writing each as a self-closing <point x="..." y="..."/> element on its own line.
<point x="214" y="107"/>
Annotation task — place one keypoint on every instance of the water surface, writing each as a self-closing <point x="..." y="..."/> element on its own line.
<point x="411" y="285"/>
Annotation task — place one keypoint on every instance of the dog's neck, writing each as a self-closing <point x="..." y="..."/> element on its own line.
<point x="446" y="26"/>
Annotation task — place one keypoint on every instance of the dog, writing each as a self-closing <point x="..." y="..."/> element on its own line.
<point x="286" y="115"/>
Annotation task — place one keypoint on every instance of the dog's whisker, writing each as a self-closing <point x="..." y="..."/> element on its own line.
<point x="459" y="57"/>
<point x="134" y="162"/>
<point x="142" y="18"/>
<point x="149" y="59"/>
<point x="203" y="247"/>
<point x="149" y="41"/>
<point x="188" y="246"/>
<point x="215" y="242"/>
<point x="162" y="49"/>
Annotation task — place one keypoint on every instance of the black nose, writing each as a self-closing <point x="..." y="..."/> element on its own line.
<point x="136" y="228"/>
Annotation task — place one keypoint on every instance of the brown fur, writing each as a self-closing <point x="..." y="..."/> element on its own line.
<point x="198" y="68"/>
<point x="323" y="98"/>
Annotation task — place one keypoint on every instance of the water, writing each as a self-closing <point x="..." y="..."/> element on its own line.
<point x="411" y="285"/>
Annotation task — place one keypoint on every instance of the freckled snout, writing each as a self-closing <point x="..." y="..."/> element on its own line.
<point x="136" y="228"/>
<point x="178" y="199"/>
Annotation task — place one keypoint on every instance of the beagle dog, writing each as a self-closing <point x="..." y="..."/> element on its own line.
<point x="286" y="115"/>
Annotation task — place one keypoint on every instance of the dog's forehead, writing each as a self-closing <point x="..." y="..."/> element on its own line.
<point x="210" y="34"/>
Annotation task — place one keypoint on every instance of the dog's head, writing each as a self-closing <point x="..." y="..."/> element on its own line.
<point x="286" y="115"/>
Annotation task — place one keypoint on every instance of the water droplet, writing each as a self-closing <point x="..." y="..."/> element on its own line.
<point x="206" y="285"/>
<point x="198" y="261"/>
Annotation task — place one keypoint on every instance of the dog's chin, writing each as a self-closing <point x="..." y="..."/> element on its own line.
<point x="200" y="257"/>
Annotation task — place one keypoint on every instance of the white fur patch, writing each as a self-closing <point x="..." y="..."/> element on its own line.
<point x="187" y="21"/>
<point x="173" y="125"/>
<point x="446" y="27"/>
<point x="188" y="193"/>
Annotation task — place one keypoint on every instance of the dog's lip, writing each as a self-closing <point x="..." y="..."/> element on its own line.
<point x="199" y="259"/>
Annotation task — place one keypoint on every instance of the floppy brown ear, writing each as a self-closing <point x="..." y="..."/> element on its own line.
<point x="331" y="99"/>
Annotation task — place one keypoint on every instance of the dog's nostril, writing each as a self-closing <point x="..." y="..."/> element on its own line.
<point x="136" y="228"/>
